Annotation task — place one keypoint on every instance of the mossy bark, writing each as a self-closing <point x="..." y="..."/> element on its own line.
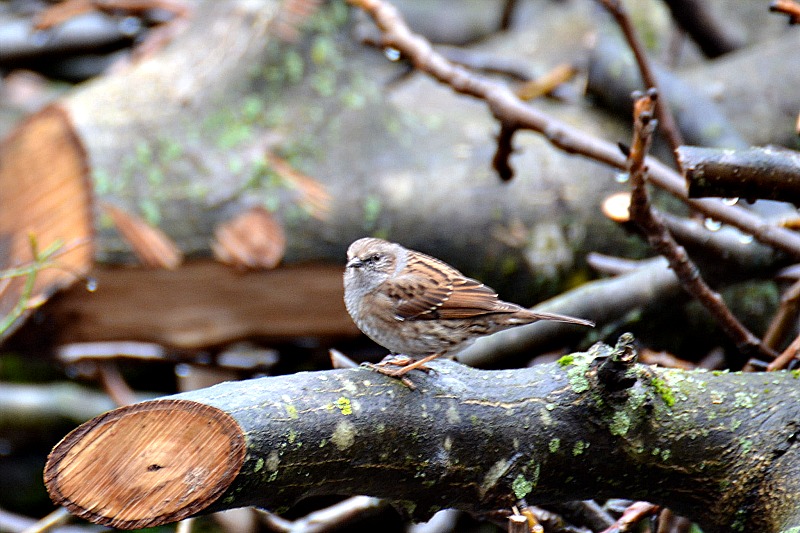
<point x="716" y="447"/>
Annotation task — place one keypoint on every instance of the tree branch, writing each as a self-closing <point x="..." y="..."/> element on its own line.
<point x="754" y="173"/>
<point x="470" y="439"/>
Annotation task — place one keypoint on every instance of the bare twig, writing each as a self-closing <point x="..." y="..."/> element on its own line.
<point x="663" y="242"/>
<point x="613" y="75"/>
<point x="787" y="7"/>
<point x="784" y="318"/>
<point x="634" y="514"/>
<point x="546" y="83"/>
<point x="504" y="150"/>
<point x="56" y="518"/>
<point x="710" y="33"/>
<point x="41" y="260"/>
<point x="328" y="519"/>
<point x="114" y="384"/>
<point x="611" y="265"/>
<point x="663" y="113"/>
<point x="783" y="360"/>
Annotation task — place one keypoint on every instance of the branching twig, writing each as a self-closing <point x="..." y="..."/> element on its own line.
<point x="665" y="118"/>
<point x="508" y="109"/>
<point x="661" y="240"/>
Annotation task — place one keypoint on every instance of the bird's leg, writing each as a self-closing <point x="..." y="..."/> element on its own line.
<point x="395" y="359"/>
<point x="418" y="364"/>
<point x="405" y="364"/>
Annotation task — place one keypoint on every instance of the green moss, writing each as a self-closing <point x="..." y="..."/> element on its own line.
<point x="743" y="400"/>
<point x="620" y="423"/>
<point x="746" y="445"/>
<point x="291" y="410"/>
<point x="509" y="265"/>
<point x="259" y="465"/>
<point x="577" y="373"/>
<point x="372" y="209"/>
<point x="344" y="406"/>
<point x="554" y="445"/>
<point x="566" y="360"/>
<point x="795" y="373"/>
<point x="579" y="448"/>
<point x="664" y="391"/>
<point x="169" y="150"/>
<point x="150" y="210"/>
<point x="740" y="518"/>
<point x="521" y="487"/>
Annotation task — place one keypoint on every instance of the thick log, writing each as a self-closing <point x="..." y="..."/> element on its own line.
<point x="204" y="304"/>
<point x="590" y="425"/>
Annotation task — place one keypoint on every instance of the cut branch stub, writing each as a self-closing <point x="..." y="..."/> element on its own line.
<point x="771" y="173"/>
<point x="146" y="464"/>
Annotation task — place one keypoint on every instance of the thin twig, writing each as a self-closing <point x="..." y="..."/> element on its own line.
<point x="41" y="260"/>
<point x="114" y="384"/>
<point x="711" y="33"/>
<point x="663" y="113"/>
<point x="56" y="518"/>
<point x="663" y="242"/>
<point x="504" y="150"/>
<point x="783" y="360"/>
<point x="634" y="514"/>
<point x="784" y="318"/>
<point x="787" y="7"/>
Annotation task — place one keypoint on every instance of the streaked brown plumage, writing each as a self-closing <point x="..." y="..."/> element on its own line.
<point x="416" y="305"/>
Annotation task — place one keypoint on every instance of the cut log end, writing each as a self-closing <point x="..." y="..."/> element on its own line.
<point x="146" y="464"/>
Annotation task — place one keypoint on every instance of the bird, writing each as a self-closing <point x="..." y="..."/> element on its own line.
<point x="420" y="307"/>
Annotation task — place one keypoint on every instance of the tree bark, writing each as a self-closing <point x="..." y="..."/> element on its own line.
<point x="770" y="172"/>
<point x="716" y="447"/>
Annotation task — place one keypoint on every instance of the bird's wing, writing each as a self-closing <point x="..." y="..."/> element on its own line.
<point x="433" y="289"/>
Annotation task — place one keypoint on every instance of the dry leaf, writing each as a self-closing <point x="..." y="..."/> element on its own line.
<point x="313" y="194"/>
<point x="254" y="239"/>
<point x="292" y="15"/>
<point x="150" y="245"/>
<point x="546" y="84"/>
<point x="63" y="11"/>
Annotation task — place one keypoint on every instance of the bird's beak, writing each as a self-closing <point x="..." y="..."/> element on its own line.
<point x="355" y="263"/>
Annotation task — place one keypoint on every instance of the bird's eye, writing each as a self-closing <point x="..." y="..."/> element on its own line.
<point x="375" y="258"/>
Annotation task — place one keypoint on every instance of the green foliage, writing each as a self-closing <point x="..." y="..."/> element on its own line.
<point x="42" y="259"/>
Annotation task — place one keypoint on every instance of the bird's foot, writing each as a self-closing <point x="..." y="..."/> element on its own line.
<point x="395" y="360"/>
<point x="405" y="363"/>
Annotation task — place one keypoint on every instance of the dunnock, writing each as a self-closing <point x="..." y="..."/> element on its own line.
<point x="418" y="306"/>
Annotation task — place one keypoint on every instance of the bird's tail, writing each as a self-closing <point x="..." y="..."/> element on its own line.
<point x="541" y="315"/>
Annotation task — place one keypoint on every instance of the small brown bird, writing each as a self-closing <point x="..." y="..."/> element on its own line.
<point x="418" y="306"/>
